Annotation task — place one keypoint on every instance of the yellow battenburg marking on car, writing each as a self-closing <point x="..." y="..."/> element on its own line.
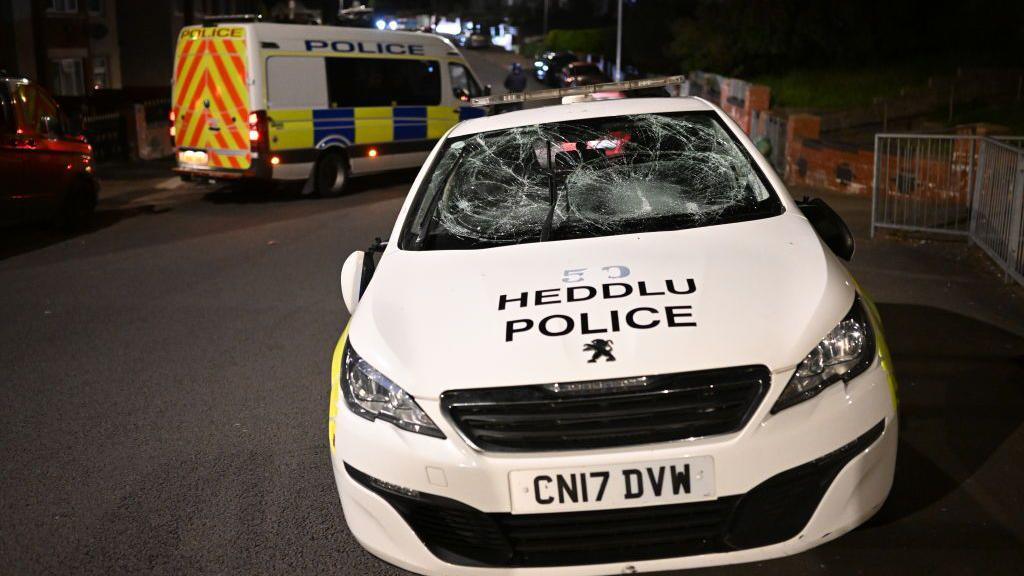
<point x="374" y="124"/>
<point x="883" y="348"/>
<point x="440" y="119"/>
<point x="332" y="411"/>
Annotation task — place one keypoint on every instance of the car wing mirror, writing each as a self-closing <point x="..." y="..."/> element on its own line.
<point x="462" y="94"/>
<point x="829" y="225"/>
<point x="351" y="279"/>
<point x="357" y="271"/>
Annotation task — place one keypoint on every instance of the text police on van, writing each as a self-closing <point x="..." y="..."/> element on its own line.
<point x="347" y="47"/>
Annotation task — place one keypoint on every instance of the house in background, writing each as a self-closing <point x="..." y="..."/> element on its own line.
<point x="149" y="32"/>
<point x="77" y="47"/>
<point x="69" y="46"/>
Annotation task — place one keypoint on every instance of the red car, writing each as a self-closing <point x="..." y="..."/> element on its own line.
<point x="585" y="74"/>
<point x="46" y="172"/>
<point x="582" y="74"/>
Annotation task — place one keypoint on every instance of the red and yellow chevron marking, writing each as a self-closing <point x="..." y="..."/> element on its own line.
<point x="210" y="99"/>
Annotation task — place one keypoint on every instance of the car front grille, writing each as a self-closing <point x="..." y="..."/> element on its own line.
<point x="601" y="414"/>
<point x="774" y="511"/>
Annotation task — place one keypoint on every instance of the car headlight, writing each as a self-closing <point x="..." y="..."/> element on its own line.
<point x="372" y="395"/>
<point x="844" y="353"/>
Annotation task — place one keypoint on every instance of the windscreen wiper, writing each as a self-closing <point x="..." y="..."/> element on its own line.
<point x="545" y="232"/>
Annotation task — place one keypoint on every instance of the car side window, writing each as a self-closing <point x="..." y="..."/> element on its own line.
<point x="37" y="113"/>
<point x="463" y="82"/>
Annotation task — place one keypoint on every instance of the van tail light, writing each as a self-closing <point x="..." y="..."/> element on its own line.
<point x="259" y="136"/>
<point x="258" y="126"/>
<point x="254" y="127"/>
<point x="172" y="116"/>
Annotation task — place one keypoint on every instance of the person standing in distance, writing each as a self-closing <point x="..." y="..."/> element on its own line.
<point x="515" y="82"/>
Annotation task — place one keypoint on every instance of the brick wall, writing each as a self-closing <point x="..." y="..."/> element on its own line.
<point x="738" y="98"/>
<point x="816" y="162"/>
<point x="830" y="165"/>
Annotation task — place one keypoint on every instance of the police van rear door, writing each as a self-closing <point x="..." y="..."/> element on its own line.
<point x="210" y="98"/>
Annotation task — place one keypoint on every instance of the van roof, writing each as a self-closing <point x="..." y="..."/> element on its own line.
<point x="292" y="37"/>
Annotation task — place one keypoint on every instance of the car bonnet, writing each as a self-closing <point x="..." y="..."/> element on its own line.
<point x="759" y="292"/>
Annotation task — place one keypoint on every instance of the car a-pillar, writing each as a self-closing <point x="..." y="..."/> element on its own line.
<point x="331" y="172"/>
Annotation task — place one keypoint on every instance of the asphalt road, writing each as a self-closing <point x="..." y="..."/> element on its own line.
<point x="164" y="389"/>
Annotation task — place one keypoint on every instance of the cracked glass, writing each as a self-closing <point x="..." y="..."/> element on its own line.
<point x="588" y="178"/>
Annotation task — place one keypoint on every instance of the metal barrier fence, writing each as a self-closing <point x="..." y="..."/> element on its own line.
<point x="971" y="186"/>
<point x="108" y="134"/>
<point x="996" y="212"/>
<point x="157" y="109"/>
<point x="923" y="183"/>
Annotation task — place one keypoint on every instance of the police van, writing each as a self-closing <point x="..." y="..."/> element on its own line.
<point x="292" y="102"/>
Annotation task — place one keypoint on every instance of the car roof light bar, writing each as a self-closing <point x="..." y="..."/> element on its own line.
<point x="558" y="93"/>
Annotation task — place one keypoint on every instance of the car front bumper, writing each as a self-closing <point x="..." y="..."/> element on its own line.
<point x="858" y="417"/>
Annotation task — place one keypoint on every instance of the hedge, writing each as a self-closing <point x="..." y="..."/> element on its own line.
<point x="583" y="41"/>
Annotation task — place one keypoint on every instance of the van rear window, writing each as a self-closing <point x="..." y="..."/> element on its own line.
<point x="383" y="82"/>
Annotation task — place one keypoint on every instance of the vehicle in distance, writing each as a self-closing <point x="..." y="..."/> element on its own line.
<point x="477" y="40"/>
<point x="46" y="168"/>
<point x="602" y="338"/>
<point x="548" y="66"/>
<point x="585" y="74"/>
<point x="582" y="74"/>
<point x="293" y="102"/>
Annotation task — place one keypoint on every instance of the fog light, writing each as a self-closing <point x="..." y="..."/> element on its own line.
<point x="372" y="153"/>
<point x="275" y="160"/>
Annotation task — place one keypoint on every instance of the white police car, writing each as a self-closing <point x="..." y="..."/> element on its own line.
<point x="602" y="338"/>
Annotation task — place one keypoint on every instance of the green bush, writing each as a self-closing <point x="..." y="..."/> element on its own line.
<point x="584" y="41"/>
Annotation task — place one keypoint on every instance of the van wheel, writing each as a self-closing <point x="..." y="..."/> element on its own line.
<point x="331" y="174"/>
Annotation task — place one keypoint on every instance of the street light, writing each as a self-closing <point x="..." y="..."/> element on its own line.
<point x="545" y="18"/>
<point x="618" y="47"/>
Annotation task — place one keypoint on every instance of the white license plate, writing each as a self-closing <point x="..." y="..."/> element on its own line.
<point x="614" y="486"/>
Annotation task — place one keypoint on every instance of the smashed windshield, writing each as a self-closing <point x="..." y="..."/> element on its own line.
<point x="599" y="177"/>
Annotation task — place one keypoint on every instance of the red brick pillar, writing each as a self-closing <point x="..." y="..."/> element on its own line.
<point x="799" y="127"/>
<point x="758" y="97"/>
